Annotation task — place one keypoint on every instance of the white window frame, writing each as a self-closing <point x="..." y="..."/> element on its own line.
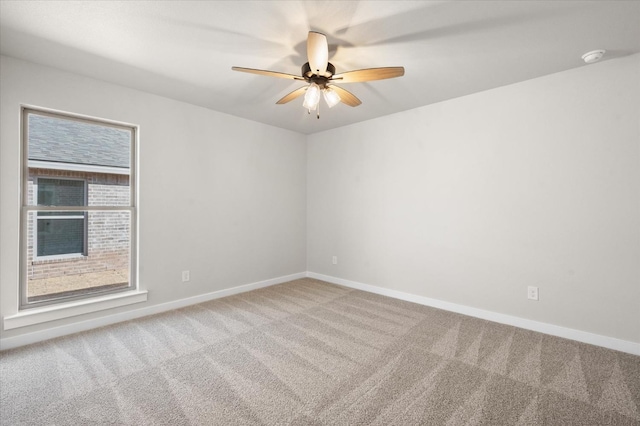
<point x="68" y="306"/>
<point x="85" y="225"/>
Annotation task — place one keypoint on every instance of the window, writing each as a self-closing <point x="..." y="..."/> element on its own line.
<point x="78" y="209"/>
<point x="60" y="233"/>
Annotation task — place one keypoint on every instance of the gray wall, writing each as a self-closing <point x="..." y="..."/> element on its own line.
<point x="220" y="196"/>
<point x="471" y="200"/>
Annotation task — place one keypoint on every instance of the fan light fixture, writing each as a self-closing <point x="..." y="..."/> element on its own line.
<point x="312" y="97"/>
<point x="331" y="97"/>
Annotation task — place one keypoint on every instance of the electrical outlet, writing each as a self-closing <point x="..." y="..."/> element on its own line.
<point x="532" y="293"/>
<point x="334" y="260"/>
<point x="185" y="276"/>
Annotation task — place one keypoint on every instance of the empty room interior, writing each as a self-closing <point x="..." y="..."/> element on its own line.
<point x="320" y="212"/>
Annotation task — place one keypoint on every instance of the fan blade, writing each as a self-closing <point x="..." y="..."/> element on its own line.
<point x="268" y="73"/>
<point x="291" y="96"/>
<point x="346" y="97"/>
<point x="369" y="74"/>
<point x="317" y="52"/>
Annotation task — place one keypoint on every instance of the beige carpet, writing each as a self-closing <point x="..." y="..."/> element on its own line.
<point x="312" y="353"/>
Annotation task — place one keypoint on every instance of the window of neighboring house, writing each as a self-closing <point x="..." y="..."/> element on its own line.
<point x="78" y="211"/>
<point x="60" y="233"/>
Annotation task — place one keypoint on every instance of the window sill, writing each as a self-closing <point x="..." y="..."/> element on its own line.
<point x="42" y="260"/>
<point x="71" y="309"/>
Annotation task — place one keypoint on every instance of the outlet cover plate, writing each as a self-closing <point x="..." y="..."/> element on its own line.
<point x="532" y="293"/>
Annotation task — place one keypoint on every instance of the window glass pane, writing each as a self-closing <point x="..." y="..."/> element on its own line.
<point x="104" y="266"/>
<point x="60" y="235"/>
<point x="60" y="192"/>
<point x="72" y="162"/>
<point x="63" y="152"/>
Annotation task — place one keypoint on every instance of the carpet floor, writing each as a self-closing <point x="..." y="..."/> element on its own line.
<point x="312" y="353"/>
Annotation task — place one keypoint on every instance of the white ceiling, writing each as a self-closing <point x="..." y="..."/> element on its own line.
<point x="185" y="49"/>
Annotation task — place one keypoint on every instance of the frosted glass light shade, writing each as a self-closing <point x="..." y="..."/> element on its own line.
<point x="312" y="97"/>
<point x="331" y="97"/>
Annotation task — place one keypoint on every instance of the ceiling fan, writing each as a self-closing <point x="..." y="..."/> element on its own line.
<point x="320" y="74"/>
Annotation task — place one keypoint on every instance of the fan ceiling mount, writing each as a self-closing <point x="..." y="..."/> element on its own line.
<point x="321" y="75"/>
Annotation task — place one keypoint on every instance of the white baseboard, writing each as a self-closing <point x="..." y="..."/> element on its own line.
<point x="554" y="330"/>
<point x="38" y="336"/>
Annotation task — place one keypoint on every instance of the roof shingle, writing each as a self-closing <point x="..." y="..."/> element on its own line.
<point x="69" y="141"/>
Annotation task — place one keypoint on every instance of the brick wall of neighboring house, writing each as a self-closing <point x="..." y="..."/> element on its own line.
<point x="108" y="232"/>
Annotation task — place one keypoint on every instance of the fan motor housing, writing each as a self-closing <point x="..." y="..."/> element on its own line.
<point x="320" y="80"/>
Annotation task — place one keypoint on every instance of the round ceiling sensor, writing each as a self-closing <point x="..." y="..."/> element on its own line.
<point x="593" y="56"/>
